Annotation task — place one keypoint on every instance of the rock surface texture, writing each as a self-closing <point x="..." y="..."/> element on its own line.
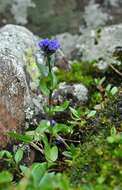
<point x="77" y="94"/>
<point x="58" y="16"/>
<point x="14" y="90"/>
<point x="93" y="45"/>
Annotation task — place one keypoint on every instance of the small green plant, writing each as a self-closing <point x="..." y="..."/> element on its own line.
<point x="79" y="116"/>
<point x="103" y="92"/>
<point x="110" y="91"/>
<point x="47" y="86"/>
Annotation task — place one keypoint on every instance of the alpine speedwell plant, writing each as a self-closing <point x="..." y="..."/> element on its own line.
<point x="48" y="83"/>
<point x="49" y="48"/>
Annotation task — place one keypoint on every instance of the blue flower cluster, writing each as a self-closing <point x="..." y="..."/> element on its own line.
<point x="49" y="46"/>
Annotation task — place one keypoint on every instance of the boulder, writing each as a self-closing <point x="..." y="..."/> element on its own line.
<point x="15" y="96"/>
<point x="101" y="47"/>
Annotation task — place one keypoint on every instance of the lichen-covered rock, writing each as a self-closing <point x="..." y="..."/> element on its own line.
<point x="16" y="39"/>
<point x="19" y="10"/>
<point x="68" y="43"/>
<point x="77" y="94"/>
<point x="15" y="95"/>
<point x="101" y="45"/>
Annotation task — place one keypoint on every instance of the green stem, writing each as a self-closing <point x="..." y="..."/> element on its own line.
<point x="51" y="86"/>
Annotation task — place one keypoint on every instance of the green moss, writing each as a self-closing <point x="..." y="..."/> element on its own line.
<point x="98" y="165"/>
<point x="80" y="72"/>
<point x="96" y="98"/>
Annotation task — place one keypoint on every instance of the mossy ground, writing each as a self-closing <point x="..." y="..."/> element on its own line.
<point x="99" y="163"/>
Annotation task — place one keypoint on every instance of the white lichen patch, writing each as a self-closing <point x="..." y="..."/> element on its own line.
<point x="13" y="89"/>
<point x="19" y="10"/>
<point x="94" y="15"/>
<point x="81" y="92"/>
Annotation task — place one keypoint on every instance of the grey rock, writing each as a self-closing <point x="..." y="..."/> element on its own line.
<point x="93" y="45"/>
<point x="68" y="43"/>
<point x="94" y="16"/>
<point x="101" y="48"/>
<point x="15" y="94"/>
<point x="77" y="94"/>
<point x="19" y="10"/>
<point x="17" y="39"/>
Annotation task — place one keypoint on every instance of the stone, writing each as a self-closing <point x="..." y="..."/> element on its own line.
<point x="15" y="94"/>
<point x="68" y="43"/>
<point x="77" y="94"/>
<point x="94" y="16"/>
<point x="19" y="10"/>
<point x="17" y="39"/>
<point x="101" y="48"/>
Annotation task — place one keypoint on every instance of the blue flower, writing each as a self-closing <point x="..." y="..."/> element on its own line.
<point x="49" y="46"/>
<point x="58" y="142"/>
<point x="52" y="123"/>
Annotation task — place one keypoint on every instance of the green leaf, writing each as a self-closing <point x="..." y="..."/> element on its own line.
<point x="46" y="182"/>
<point x="6" y="154"/>
<point x="54" y="153"/>
<point x="102" y="81"/>
<point x="18" y="155"/>
<point x="5" y="177"/>
<point x="108" y="88"/>
<point x="114" y="90"/>
<point x="43" y="126"/>
<point x="113" y="131"/>
<point x="20" y="137"/>
<point x="67" y="154"/>
<point x="43" y="69"/>
<point x="45" y="140"/>
<point x="54" y="78"/>
<point x="59" y="127"/>
<point x="110" y="139"/>
<point x="25" y="170"/>
<point x="91" y="113"/>
<point x="44" y="88"/>
<point x="38" y="171"/>
<point x="51" y="153"/>
<point x="74" y="112"/>
<point x="101" y="179"/>
<point x="62" y="107"/>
